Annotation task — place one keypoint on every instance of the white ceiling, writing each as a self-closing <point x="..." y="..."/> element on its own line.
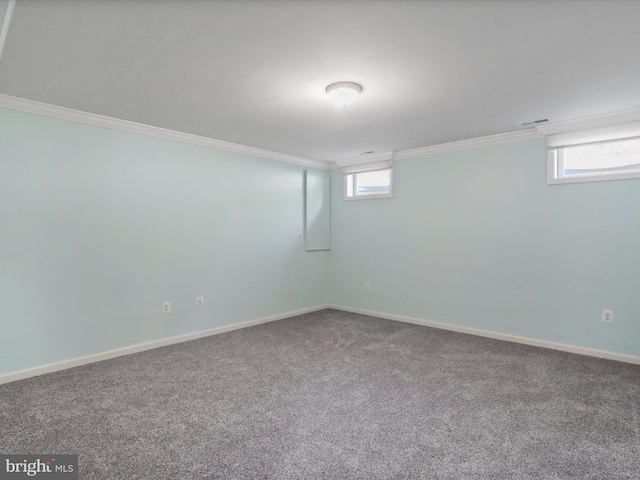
<point x="254" y="72"/>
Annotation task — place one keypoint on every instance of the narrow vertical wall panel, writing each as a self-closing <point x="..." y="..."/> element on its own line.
<point x="317" y="210"/>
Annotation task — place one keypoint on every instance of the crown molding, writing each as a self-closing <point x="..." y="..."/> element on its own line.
<point x="31" y="106"/>
<point x="470" y="143"/>
<point x="441" y="148"/>
<point x="539" y="131"/>
<point x="610" y="120"/>
<point x="590" y="123"/>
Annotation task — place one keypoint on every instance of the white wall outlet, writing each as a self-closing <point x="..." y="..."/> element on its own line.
<point x="299" y="236"/>
<point x="367" y="287"/>
<point x="607" y="316"/>
<point x="166" y="307"/>
<point x="199" y="302"/>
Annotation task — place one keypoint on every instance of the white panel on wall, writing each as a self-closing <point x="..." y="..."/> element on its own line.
<point x="317" y="210"/>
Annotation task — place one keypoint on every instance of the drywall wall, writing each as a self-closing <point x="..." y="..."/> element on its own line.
<point x="478" y="239"/>
<point x="99" y="227"/>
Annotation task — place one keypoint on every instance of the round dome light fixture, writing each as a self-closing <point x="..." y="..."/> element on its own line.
<point x="343" y="94"/>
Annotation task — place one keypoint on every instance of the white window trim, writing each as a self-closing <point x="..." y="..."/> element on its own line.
<point x="555" y="169"/>
<point x="557" y="142"/>
<point x="363" y="168"/>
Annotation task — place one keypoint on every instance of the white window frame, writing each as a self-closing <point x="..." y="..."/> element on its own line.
<point x="558" y="142"/>
<point x="366" y="168"/>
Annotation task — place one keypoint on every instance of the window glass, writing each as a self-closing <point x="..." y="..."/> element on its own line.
<point x="592" y="162"/>
<point x="597" y="158"/>
<point x="372" y="183"/>
<point x="376" y="183"/>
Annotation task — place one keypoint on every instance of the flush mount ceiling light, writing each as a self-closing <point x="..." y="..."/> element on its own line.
<point x="343" y="93"/>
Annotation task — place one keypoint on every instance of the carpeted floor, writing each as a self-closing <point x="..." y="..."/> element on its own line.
<point x="334" y="395"/>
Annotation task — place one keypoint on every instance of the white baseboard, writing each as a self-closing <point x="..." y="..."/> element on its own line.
<point x="141" y="347"/>
<point x="499" y="336"/>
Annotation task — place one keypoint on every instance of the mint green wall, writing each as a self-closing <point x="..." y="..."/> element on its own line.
<point x="478" y="239"/>
<point x="99" y="227"/>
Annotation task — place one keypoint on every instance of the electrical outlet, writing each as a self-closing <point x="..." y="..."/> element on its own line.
<point x="166" y="307"/>
<point x="607" y="316"/>
<point x="199" y="302"/>
<point x="299" y="236"/>
<point x="367" y="287"/>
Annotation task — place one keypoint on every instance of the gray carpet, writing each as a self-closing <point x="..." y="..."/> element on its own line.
<point x="334" y="395"/>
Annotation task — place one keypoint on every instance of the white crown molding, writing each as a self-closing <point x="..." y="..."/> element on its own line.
<point x="590" y="123"/>
<point x="539" y="131"/>
<point x="440" y="148"/>
<point x="610" y="120"/>
<point x="470" y="143"/>
<point x="31" y="106"/>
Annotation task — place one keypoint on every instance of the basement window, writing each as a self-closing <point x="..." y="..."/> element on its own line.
<point x="594" y="157"/>
<point x="368" y="181"/>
